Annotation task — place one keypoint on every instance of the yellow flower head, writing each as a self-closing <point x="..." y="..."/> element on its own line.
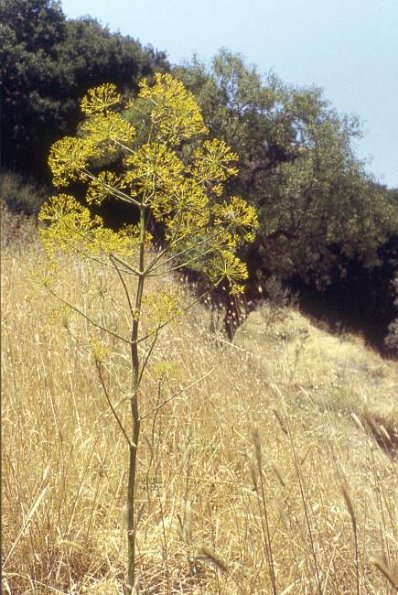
<point x="100" y="99"/>
<point x="175" y="115"/>
<point x="180" y="184"/>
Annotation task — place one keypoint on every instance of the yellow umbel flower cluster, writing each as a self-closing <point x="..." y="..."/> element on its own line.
<point x="175" y="177"/>
<point x="100" y="99"/>
<point x="72" y="228"/>
<point x="176" y="115"/>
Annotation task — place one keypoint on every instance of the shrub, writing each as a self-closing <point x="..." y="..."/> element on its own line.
<point x="21" y="196"/>
<point x="391" y="339"/>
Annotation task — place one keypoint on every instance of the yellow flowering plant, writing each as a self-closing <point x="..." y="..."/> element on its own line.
<point x="174" y="178"/>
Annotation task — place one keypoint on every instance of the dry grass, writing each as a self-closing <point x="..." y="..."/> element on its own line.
<point x="265" y="477"/>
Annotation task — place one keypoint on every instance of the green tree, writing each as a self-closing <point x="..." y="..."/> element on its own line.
<point x="46" y="64"/>
<point x="391" y="339"/>
<point x="29" y="37"/>
<point x="297" y="166"/>
<point x="182" y="189"/>
<point x="94" y="55"/>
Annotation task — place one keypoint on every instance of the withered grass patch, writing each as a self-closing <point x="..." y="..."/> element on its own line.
<point x="265" y="477"/>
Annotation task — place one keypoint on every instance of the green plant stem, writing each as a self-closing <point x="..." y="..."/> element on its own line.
<point x="136" y="421"/>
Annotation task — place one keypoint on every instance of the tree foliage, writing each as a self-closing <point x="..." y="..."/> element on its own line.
<point x="46" y="64"/>
<point x="391" y="339"/>
<point x="297" y="166"/>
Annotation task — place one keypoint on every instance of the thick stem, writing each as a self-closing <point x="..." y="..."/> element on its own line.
<point x="131" y="529"/>
<point x="135" y="414"/>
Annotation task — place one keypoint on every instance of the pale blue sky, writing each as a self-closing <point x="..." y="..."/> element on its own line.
<point x="347" y="47"/>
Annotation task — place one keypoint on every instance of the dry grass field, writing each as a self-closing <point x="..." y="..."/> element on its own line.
<point x="275" y="473"/>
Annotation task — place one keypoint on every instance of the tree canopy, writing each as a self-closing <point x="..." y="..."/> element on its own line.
<point x="47" y="62"/>
<point x="297" y="166"/>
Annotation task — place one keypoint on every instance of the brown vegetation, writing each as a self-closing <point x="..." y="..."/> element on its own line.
<point x="270" y="475"/>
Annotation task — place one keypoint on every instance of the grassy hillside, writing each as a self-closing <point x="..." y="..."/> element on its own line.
<point x="275" y="473"/>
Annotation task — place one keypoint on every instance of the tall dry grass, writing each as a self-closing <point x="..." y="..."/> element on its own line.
<point x="248" y="484"/>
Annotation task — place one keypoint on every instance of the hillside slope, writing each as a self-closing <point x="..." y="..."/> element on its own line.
<point x="337" y="373"/>
<point x="273" y="468"/>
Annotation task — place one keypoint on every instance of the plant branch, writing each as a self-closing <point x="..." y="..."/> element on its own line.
<point x="125" y="264"/>
<point x="98" y="366"/>
<point x="90" y="320"/>
<point x="122" y="281"/>
<point x="182" y="390"/>
<point x="148" y="355"/>
<point x="184" y="264"/>
<point x="112" y="190"/>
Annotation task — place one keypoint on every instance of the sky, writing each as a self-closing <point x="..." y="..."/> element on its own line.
<point x="349" y="48"/>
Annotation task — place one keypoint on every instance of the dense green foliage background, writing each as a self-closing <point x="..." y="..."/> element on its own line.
<point x="298" y="167"/>
<point x="47" y="63"/>
<point x="326" y="225"/>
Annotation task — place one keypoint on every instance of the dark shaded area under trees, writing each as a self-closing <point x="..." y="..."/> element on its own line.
<point x="327" y="229"/>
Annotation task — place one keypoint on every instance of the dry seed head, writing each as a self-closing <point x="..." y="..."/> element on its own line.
<point x="350" y="507"/>
<point x="258" y="449"/>
<point x="281" y="422"/>
<point x="384" y="432"/>
<point x="209" y="556"/>
<point x="357" y="421"/>
<point x="390" y="572"/>
<point x="279" y="476"/>
<point x="253" y="473"/>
